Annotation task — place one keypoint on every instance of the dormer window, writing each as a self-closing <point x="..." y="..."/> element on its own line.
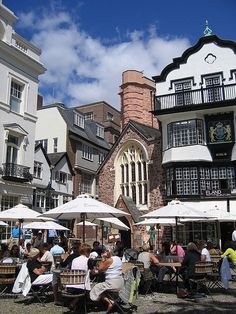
<point x="79" y="120"/>
<point x="100" y="131"/>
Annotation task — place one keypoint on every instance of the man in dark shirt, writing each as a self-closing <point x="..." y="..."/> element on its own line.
<point x="36" y="269"/>
<point x="68" y="261"/>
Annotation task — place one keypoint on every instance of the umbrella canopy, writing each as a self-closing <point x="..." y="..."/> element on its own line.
<point x="112" y="223"/>
<point x="176" y="209"/>
<point x="87" y="224"/>
<point x="46" y="225"/>
<point x="157" y="221"/>
<point x="4" y="224"/>
<point x="21" y="212"/>
<point x="84" y="206"/>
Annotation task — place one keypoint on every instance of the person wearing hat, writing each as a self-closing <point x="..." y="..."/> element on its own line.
<point x="38" y="240"/>
<point x="36" y="269"/>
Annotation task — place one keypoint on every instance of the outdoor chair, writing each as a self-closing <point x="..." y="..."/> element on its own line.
<point x="74" y="277"/>
<point x="7" y="278"/>
<point x="215" y="277"/>
<point x="147" y="280"/>
<point x="124" y="299"/>
<point x="200" y="278"/>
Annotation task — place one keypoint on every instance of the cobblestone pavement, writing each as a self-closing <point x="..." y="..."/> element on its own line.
<point x="220" y="301"/>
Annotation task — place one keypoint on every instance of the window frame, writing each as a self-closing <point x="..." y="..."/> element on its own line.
<point x="87" y="152"/>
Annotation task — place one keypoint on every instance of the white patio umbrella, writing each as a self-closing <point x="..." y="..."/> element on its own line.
<point x="176" y="209"/>
<point x="157" y="221"/>
<point x="3" y="224"/>
<point x="84" y="206"/>
<point x="87" y="224"/>
<point x="112" y="222"/>
<point x="220" y="215"/>
<point x="45" y="225"/>
<point x="21" y="213"/>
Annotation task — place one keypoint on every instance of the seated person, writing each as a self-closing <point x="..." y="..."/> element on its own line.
<point x="112" y="267"/>
<point x="97" y="248"/>
<point x="57" y="249"/>
<point x="176" y="249"/>
<point x="205" y="254"/>
<point x="63" y="241"/>
<point x="151" y="262"/>
<point x="230" y="252"/>
<point x="36" y="270"/>
<point x="27" y="249"/>
<point x="46" y="255"/>
<point x="75" y="253"/>
<point x="13" y="256"/>
<point x="191" y="257"/>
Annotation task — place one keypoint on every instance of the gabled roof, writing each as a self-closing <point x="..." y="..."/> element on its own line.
<point x="148" y="133"/>
<point x="40" y="146"/>
<point x="134" y="212"/>
<point x="55" y="158"/>
<point x="183" y="59"/>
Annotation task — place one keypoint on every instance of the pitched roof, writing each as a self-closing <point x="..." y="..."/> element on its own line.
<point x="135" y="213"/>
<point x="89" y="131"/>
<point x="148" y="132"/>
<point x="55" y="157"/>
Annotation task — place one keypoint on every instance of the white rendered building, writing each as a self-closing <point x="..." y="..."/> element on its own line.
<point x="196" y="104"/>
<point x="20" y="68"/>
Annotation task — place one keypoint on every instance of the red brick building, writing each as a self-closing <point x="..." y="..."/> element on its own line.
<point x="131" y="177"/>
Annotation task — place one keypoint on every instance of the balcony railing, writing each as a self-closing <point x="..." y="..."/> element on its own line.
<point x="195" y="97"/>
<point x="14" y="172"/>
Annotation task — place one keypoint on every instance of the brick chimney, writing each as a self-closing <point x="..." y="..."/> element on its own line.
<point x="137" y="94"/>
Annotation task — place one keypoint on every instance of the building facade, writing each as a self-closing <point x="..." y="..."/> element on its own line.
<point x="131" y="177"/>
<point x="106" y="115"/>
<point x="82" y="140"/>
<point x="20" y="68"/>
<point x="195" y="104"/>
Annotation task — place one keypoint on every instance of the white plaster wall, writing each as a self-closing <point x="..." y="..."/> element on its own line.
<point x="40" y="157"/>
<point x="225" y="61"/>
<point x="50" y="124"/>
<point x="62" y="188"/>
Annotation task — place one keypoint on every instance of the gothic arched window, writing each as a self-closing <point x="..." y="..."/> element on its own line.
<point x="133" y="178"/>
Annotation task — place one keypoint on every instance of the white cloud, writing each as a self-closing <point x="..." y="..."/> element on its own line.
<point x="82" y="69"/>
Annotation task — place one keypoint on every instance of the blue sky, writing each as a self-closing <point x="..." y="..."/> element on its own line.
<point x="86" y="45"/>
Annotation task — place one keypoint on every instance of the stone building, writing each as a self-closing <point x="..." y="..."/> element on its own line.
<point x="131" y="178"/>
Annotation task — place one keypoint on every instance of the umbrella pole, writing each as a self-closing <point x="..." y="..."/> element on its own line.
<point x="158" y="238"/>
<point x="102" y="232"/>
<point x="20" y="229"/>
<point x="83" y="219"/>
<point x="176" y="232"/>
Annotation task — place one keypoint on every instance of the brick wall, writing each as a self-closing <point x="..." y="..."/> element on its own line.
<point x="137" y="94"/>
<point x="155" y="171"/>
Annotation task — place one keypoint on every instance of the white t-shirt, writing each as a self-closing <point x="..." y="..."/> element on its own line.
<point x="48" y="257"/>
<point x="207" y="254"/>
<point x="81" y="263"/>
<point x="234" y="235"/>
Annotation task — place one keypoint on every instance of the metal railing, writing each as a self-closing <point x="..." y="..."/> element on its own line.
<point x="196" y="97"/>
<point x="11" y="171"/>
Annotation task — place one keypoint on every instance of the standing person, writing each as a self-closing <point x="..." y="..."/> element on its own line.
<point x="38" y="240"/>
<point x="27" y="236"/>
<point x="16" y="230"/>
<point x="52" y="234"/>
<point x="234" y="234"/>
<point x="112" y="267"/>
<point x="152" y="238"/>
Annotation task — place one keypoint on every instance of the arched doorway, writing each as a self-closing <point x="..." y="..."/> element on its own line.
<point x="125" y="235"/>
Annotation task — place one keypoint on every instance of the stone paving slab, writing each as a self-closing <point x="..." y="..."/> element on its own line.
<point x="220" y="301"/>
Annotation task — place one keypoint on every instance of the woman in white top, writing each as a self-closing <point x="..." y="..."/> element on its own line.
<point x="112" y="267"/>
<point x="205" y="254"/>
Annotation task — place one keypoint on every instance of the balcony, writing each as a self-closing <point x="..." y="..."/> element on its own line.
<point x="198" y="99"/>
<point x="17" y="173"/>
